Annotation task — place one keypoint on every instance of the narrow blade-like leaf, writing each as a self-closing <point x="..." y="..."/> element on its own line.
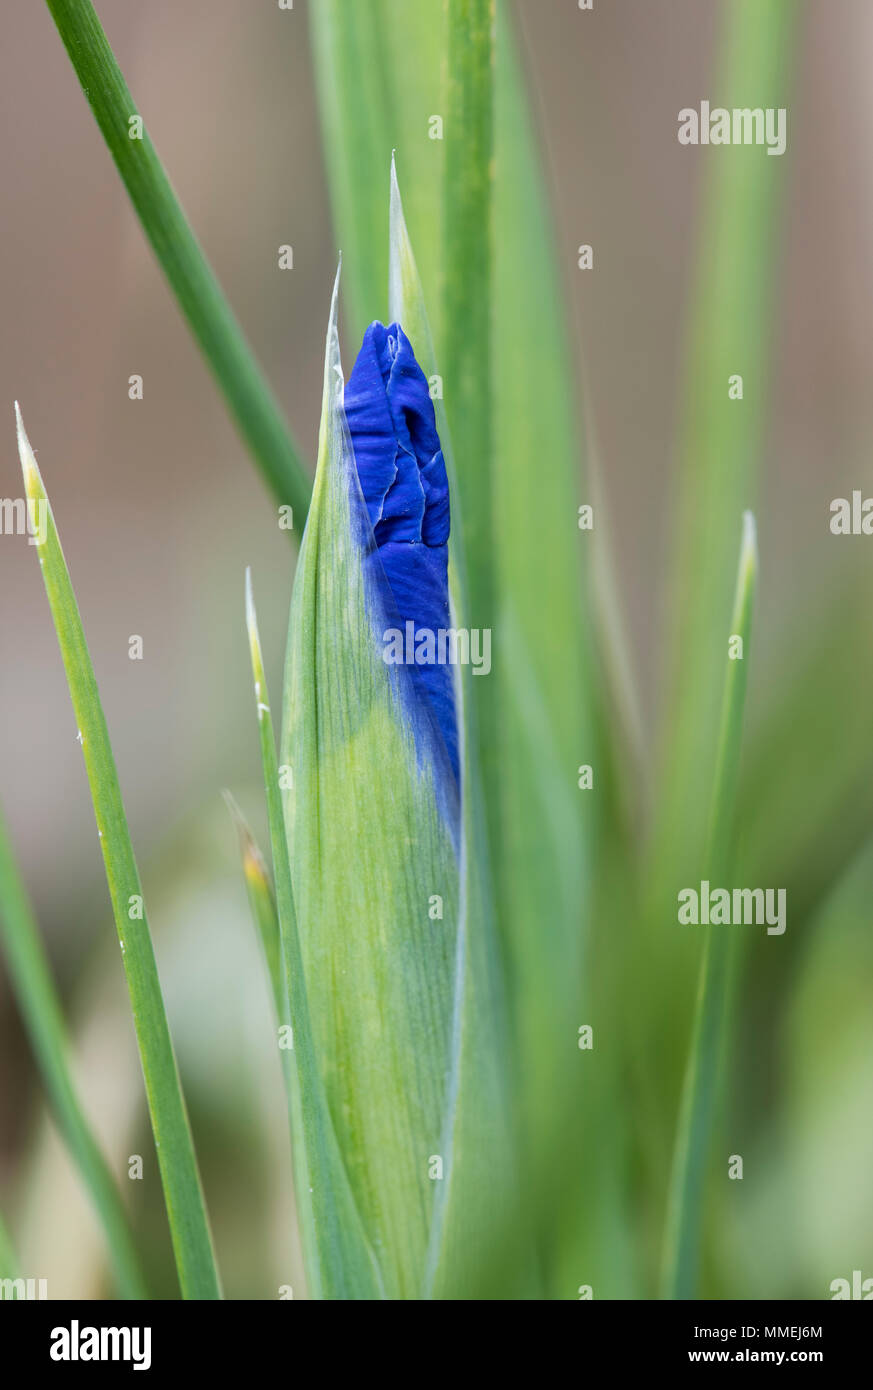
<point x="186" y="1211"/>
<point x="700" y="1094"/>
<point x="729" y="338"/>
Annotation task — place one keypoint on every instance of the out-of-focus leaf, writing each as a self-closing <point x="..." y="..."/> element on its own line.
<point x="701" y="1089"/>
<point x="732" y="296"/>
<point x="548" y="663"/>
<point x="42" y="1015"/>
<point x="466" y="346"/>
<point x="378" y="68"/>
<point x="819" y="703"/>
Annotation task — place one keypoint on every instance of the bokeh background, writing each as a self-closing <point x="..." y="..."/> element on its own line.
<point x="160" y="512"/>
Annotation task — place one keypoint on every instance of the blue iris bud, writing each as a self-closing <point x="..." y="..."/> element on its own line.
<point x="403" y="480"/>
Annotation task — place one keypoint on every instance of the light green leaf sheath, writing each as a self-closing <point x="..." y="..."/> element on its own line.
<point x="385" y="942"/>
<point x="189" y="1227"/>
<point x="339" y="1262"/>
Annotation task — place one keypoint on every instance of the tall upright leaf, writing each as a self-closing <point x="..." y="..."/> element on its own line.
<point x="547" y="726"/>
<point x="732" y="296"/>
<point x="468" y="254"/>
<point x="186" y="1210"/>
<point x="700" y="1092"/>
<point x="380" y="89"/>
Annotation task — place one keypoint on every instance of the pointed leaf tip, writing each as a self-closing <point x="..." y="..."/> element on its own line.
<point x="33" y="482"/>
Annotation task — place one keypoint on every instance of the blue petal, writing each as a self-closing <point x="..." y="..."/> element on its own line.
<point x="403" y="479"/>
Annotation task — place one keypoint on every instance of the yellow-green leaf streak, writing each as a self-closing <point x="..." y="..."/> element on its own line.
<point x="186" y="1211"/>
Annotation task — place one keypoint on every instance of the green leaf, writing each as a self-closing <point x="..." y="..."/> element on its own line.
<point x="339" y="1261"/>
<point x="467" y="301"/>
<point x="817" y="697"/>
<point x="248" y="397"/>
<point x="189" y="1227"/>
<point x="700" y="1091"/>
<point x="397" y="955"/>
<point x="547" y="723"/>
<point x="721" y="438"/>
<point x="43" y="1018"/>
<point x="730" y="313"/>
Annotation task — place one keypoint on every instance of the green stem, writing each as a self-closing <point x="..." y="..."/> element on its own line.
<point x="222" y="342"/>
